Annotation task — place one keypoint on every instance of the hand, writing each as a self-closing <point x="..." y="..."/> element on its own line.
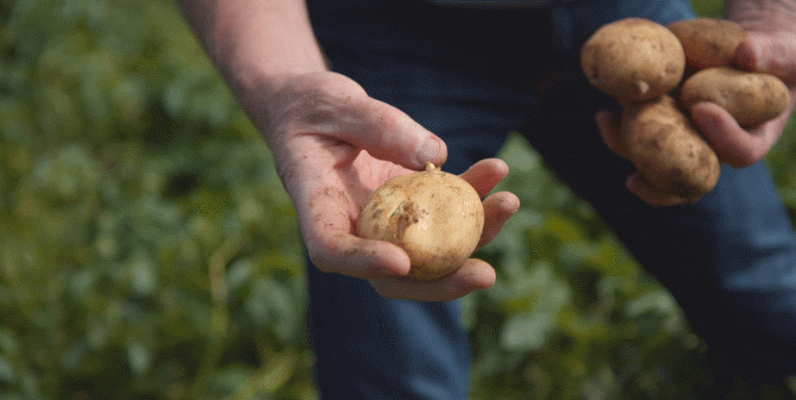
<point x="773" y="52"/>
<point x="333" y="145"/>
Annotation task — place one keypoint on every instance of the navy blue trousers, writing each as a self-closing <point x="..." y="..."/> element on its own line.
<point x="472" y="76"/>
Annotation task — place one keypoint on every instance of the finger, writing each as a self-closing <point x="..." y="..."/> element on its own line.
<point x="498" y="208"/>
<point x="326" y="221"/>
<point x="773" y="53"/>
<point x="389" y="134"/>
<point x="608" y="126"/>
<point x="473" y="275"/>
<point x="733" y="144"/>
<point x="361" y="258"/>
<point x="486" y="174"/>
<point x="637" y="185"/>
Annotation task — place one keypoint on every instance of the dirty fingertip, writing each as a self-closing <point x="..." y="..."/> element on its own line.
<point x="385" y="259"/>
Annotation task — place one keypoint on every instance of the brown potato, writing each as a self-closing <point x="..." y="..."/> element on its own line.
<point x="435" y="216"/>
<point x="750" y="97"/>
<point x="708" y="42"/>
<point x="633" y="59"/>
<point x="667" y="149"/>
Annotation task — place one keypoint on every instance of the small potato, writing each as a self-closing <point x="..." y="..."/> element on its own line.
<point x="435" y="216"/>
<point x="750" y="97"/>
<point x="708" y="42"/>
<point x="667" y="149"/>
<point x="633" y="59"/>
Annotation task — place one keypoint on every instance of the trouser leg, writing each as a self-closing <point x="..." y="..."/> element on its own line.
<point x="729" y="259"/>
<point x="368" y="347"/>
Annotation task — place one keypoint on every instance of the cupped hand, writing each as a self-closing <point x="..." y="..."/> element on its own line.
<point x="333" y="145"/>
<point x="772" y="52"/>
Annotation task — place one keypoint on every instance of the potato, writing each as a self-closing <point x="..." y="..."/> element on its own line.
<point x="667" y="149"/>
<point x="708" y="42"/>
<point x="633" y="59"/>
<point x="750" y="97"/>
<point x="435" y="216"/>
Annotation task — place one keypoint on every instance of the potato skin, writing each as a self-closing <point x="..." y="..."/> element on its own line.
<point x="633" y="59"/>
<point x="708" y="42"/>
<point x="750" y="97"/>
<point x="667" y="149"/>
<point x="435" y="216"/>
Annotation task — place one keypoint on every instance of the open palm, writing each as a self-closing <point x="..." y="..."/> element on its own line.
<point x="333" y="145"/>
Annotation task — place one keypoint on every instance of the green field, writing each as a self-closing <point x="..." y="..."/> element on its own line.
<point x="148" y="251"/>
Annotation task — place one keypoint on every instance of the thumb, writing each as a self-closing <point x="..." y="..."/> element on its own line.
<point x="770" y="52"/>
<point x="389" y="134"/>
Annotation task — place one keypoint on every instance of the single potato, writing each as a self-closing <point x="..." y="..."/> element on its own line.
<point x="750" y="97"/>
<point x="633" y="59"/>
<point x="667" y="149"/>
<point x="708" y="42"/>
<point x="435" y="216"/>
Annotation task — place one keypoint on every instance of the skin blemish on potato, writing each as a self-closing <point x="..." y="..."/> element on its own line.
<point x="407" y="214"/>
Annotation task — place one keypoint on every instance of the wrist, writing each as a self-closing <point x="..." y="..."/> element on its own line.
<point x="257" y="93"/>
<point x="274" y="100"/>
<point x="256" y="44"/>
<point x="257" y="84"/>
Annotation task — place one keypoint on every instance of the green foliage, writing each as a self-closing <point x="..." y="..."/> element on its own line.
<point x="147" y="249"/>
<point x="572" y="315"/>
<point x="709" y="8"/>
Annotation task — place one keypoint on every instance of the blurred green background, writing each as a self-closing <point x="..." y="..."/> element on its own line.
<point x="148" y="251"/>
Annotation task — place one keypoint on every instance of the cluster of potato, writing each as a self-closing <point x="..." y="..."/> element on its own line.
<point x="641" y="63"/>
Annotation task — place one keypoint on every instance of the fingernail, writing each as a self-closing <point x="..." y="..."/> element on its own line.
<point x="428" y="151"/>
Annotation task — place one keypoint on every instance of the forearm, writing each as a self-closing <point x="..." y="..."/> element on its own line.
<point x="255" y="43"/>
